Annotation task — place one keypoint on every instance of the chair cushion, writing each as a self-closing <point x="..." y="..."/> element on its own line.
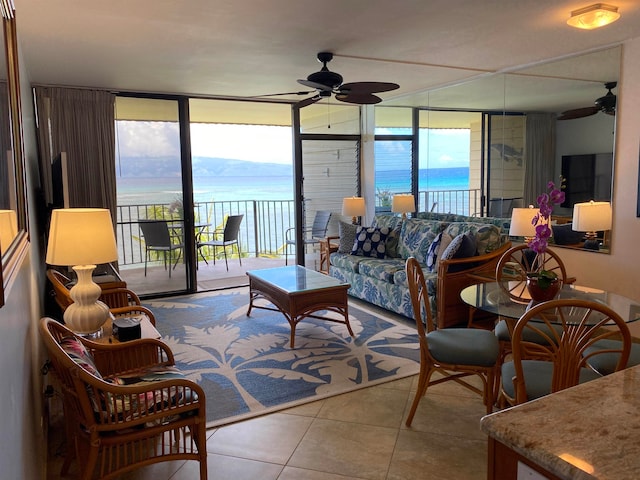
<point x="502" y="332"/>
<point x="370" y="242"/>
<point x="605" y="363"/>
<point x="537" y="376"/>
<point x="79" y="354"/>
<point x="468" y="346"/>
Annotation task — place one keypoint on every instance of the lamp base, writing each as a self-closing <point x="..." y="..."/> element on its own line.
<point x="591" y="242"/>
<point x="86" y="315"/>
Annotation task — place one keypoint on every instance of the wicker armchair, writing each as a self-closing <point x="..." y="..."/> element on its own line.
<point x="125" y="404"/>
<point x="121" y="301"/>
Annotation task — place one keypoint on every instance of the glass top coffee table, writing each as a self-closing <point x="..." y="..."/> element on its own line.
<point x="299" y="293"/>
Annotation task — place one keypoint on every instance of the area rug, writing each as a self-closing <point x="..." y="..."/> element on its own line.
<point x="245" y="364"/>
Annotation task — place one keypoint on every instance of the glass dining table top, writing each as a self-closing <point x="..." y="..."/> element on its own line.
<point x="490" y="297"/>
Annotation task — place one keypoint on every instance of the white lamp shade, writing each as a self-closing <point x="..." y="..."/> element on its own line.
<point x="592" y="216"/>
<point x="8" y="228"/>
<point x="521" y="219"/>
<point x="353" y="207"/>
<point x="404" y="203"/>
<point x="81" y="236"/>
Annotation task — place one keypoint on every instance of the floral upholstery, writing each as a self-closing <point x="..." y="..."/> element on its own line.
<point x="383" y="282"/>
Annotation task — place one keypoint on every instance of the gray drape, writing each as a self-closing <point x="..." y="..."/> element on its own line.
<point x="82" y="124"/>
<point x="540" y="152"/>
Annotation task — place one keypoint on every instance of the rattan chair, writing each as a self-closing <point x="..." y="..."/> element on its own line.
<point x="115" y="424"/>
<point x="454" y="352"/>
<point x="121" y="300"/>
<point x="570" y="328"/>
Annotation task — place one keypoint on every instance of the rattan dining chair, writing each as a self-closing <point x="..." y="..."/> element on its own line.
<point x="569" y="328"/>
<point x="453" y="352"/>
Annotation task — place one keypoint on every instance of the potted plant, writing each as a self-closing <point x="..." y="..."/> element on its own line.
<point x="544" y="284"/>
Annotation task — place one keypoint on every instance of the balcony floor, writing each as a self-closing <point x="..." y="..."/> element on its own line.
<point x="209" y="277"/>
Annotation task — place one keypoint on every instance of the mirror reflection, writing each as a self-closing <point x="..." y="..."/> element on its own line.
<point x="560" y="112"/>
<point x="8" y="219"/>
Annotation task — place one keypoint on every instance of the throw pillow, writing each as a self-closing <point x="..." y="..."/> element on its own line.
<point x="433" y="252"/>
<point x="462" y="246"/>
<point x="347" y="232"/>
<point x="370" y="242"/>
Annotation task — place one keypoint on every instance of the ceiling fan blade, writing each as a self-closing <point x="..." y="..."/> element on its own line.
<point x="305" y="92"/>
<point x="308" y="101"/>
<point x="579" y="113"/>
<point x="317" y="86"/>
<point x="358" y="98"/>
<point x="360" y="88"/>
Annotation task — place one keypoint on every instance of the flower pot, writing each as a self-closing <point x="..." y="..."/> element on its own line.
<point x="539" y="293"/>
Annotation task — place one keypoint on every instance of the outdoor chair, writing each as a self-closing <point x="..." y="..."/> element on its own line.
<point x="311" y="236"/>
<point x="230" y="236"/>
<point x="125" y="404"/>
<point x="453" y="352"/>
<point x="157" y="238"/>
<point x="570" y="328"/>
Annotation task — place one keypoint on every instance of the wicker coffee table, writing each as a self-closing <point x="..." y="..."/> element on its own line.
<point x="298" y="293"/>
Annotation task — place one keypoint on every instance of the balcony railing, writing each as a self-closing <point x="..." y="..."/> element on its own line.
<point x="262" y="232"/>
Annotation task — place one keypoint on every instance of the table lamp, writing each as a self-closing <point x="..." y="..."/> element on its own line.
<point x="403" y="203"/>
<point x="353" y="207"/>
<point x="8" y="229"/>
<point x="521" y="223"/>
<point x="591" y="217"/>
<point x="82" y="238"/>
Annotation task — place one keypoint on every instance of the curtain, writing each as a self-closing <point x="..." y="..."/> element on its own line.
<point x="82" y="124"/>
<point x="540" y="148"/>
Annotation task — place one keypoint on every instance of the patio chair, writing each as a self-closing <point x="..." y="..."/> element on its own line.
<point x="157" y="238"/>
<point x="125" y="404"/>
<point x="312" y="235"/>
<point x="454" y="353"/>
<point x="570" y="328"/>
<point x="230" y="236"/>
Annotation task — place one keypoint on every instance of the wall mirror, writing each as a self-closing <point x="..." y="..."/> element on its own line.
<point x="13" y="209"/>
<point x="549" y="87"/>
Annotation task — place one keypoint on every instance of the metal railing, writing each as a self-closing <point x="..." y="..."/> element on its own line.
<point x="263" y="229"/>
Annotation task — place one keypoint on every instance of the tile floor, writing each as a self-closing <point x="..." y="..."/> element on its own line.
<point x="359" y="435"/>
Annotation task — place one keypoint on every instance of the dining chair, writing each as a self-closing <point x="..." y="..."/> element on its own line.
<point x="453" y="352"/>
<point x="230" y="236"/>
<point x="157" y="238"/>
<point x="312" y="235"/>
<point x="511" y="275"/>
<point x="569" y="327"/>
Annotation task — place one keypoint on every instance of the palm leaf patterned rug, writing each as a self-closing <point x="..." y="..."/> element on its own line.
<point x="245" y="364"/>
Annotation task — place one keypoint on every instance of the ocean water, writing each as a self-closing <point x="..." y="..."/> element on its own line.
<point x="158" y="190"/>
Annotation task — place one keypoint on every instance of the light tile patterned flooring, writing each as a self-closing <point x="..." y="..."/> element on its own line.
<point x="358" y="435"/>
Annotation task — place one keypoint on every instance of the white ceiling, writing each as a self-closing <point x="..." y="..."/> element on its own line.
<point x="253" y="47"/>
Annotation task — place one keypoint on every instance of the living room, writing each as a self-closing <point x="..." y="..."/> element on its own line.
<point x="24" y="271"/>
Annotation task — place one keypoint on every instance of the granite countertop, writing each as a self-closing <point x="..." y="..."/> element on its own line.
<point x="591" y="431"/>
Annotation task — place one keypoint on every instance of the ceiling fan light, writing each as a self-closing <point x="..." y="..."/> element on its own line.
<point x="594" y="16"/>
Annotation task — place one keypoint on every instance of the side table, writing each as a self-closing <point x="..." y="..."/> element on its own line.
<point x="327" y="247"/>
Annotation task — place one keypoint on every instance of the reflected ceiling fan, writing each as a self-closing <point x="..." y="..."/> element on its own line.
<point x="606" y="104"/>
<point x="326" y="83"/>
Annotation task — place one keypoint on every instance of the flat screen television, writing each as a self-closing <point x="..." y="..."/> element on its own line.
<point x="587" y="177"/>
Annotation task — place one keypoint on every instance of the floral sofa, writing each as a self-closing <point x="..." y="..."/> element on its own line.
<point x="454" y="251"/>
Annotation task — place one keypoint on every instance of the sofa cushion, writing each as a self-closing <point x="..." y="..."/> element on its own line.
<point x="431" y="279"/>
<point x="394" y="224"/>
<point x="347" y="232"/>
<point x="416" y="236"/>
<point x="370" y="242"/>
<point x="488" y="237"/>
<point x="346" y="261"/>
<point x="565" y="235"/>
<point x="381" y="269"/>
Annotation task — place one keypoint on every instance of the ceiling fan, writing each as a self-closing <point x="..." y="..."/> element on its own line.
<point x="326" y="83"/>
<point x="606" y="104"/>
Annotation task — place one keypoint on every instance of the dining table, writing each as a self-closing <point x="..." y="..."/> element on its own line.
<point x="492" y="298"/>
